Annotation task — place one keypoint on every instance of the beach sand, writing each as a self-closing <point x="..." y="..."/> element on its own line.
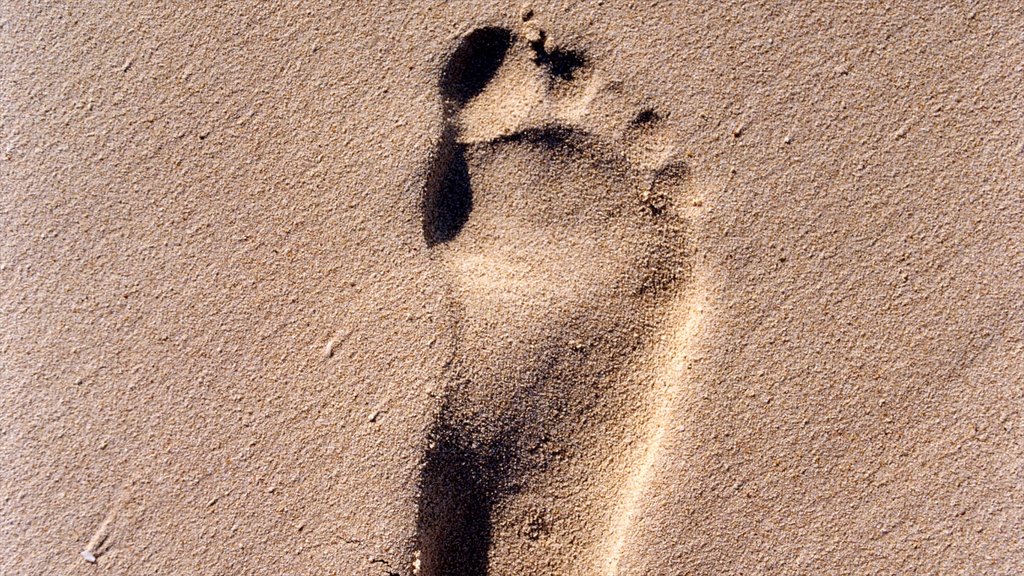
<point x="595" y="288"/>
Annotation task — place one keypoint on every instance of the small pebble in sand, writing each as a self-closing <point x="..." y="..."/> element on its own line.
<point x="89" y="556"/>
<point x="534" y="35"/>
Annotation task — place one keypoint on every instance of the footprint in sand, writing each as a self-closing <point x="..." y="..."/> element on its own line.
<point x="553" y="207"/>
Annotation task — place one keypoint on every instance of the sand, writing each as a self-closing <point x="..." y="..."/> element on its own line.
<point x="575" y="288"/>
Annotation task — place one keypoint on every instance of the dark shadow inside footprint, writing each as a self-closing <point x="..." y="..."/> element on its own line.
<point x="460" y="485"/>
<point x="645" y="117"/>
<point x="454" y="521"/>
<point x="473" y="63"/>
<point x="447" y="198"/>
<point x="562" y="64"/>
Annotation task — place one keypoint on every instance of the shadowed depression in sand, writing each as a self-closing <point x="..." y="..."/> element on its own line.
<point x="553" y="206"/>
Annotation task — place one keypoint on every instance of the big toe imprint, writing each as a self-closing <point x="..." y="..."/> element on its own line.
<point x="552" y="205"/>
<point x="448" y="200"/>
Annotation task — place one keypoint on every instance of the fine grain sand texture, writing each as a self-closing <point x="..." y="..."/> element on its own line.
<point x="478" y="288"/>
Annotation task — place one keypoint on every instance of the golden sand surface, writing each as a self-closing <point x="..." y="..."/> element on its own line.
<point x="479" y="288"/>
